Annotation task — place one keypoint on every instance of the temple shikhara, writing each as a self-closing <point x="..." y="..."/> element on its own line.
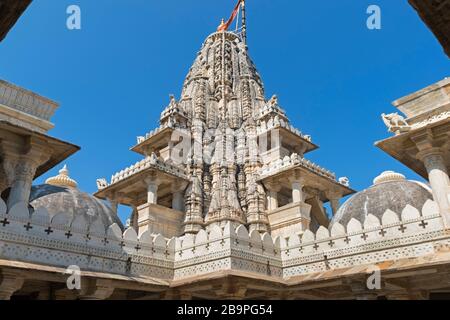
<point x="225" y="203"/>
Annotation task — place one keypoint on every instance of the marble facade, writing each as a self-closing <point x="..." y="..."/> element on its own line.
<point x="226" y="204"/>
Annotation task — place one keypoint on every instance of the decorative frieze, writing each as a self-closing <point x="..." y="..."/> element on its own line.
<point x="62" y="241"/>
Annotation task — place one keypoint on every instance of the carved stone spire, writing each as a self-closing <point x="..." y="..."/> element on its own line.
<point x="226" y="95"/>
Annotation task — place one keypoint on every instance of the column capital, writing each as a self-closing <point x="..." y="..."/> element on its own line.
<point x="152" y="179"/>
<point x="179" y="186"/>
<point x="426" y="152"/>
<point x="297" y="176"/>
<point x="273" y="186"/>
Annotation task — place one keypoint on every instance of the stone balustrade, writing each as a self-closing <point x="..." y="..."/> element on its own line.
<point x="292" y="161"/>
<point x="148" y="162"/>
<point x="276" y="122"/>
<point x="26" y="101"/>
<point x="152" y="133"/>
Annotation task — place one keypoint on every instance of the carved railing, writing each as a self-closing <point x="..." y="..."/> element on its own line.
<point x="152" y="133"/>
<point x="26" y="101"/>
<point x="274" y="123"/>
<point x="148" y="162"/>
<point x="292" y="161"/>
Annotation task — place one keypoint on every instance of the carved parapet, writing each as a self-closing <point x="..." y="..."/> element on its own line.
<point x="69" y="241"/>
<point x="287" y="163"/>
<point x="116" y="251"/>
<point x="327" y="248"/>
<point x="227" y="248"/>
<point x="147" y="163"/>
<point x="25" y="108"/>
<point x="274" y="123"/>
<point x="159" y="219"/>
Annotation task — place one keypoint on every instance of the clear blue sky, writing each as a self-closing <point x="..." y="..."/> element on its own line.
<point x="333" y="76"/>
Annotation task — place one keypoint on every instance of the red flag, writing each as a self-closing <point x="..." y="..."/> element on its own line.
<point x="225" y="26"/>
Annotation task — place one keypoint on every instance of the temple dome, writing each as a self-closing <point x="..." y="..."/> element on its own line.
<point x="60" y="194"/>
<point x="391" y="191"/>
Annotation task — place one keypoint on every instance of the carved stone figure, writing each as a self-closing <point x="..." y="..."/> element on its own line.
<point x="101" y="183"/>
<point x="395" y="123"/>
<point x="273" y="102"/>
<point x="344" y="181"/>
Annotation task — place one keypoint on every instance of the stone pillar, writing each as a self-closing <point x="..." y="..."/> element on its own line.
<point x="273" y="188"/>
<point x="297" y="191"/>
<point x="178" y="201"/>
<point x="10" y="282"/>
<point x="152" y="191"/>
<point x="134" y="219"/>
<point x="272" y="200"/>
<point x="23" y="179"/>
<point x="114" y="205"/>
<point x="335" y="198"/>
<point x="439" y="179"/>
<point x="335" y="204"/>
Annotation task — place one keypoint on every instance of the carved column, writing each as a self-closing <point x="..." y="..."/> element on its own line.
<point x="134" y="219"/>
<point x="273" y="188"/>
<point x="114" y="205"/>
<point x="178" y="197"/>
<point x="297" y="185"/>
<point x="439" y="179"/>
<point x="22" y="165"/>
<point x="178" y="201"/>
<point x="335" y="198"/>
<point x="10" y="282"/>
<point x="193" y="221"/>
<point x="272" y="200"/>
<point x="152" y="190"/>
<point x="23" y="178"/>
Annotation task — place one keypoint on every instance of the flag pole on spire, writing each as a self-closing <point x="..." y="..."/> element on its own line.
<point x="244" y="23"/>
<point x="225" y="25"/>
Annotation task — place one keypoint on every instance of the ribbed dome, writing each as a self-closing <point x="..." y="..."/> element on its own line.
<point x="390" y="191"/>
<point x="58" y="199"/>
<point x="60" y="194"/>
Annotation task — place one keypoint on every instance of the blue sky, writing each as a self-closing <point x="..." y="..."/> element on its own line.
<point x="333" y="76"/>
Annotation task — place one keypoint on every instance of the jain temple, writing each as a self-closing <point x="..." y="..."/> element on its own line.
<point x="225" y="203"/>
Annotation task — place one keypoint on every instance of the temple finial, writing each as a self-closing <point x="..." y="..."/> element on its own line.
<point x="62" y="179"/>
